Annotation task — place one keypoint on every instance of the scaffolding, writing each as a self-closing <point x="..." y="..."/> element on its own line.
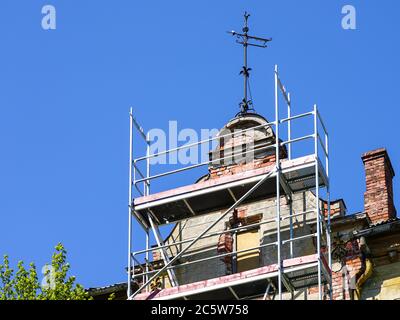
<point x="291" y="175"/>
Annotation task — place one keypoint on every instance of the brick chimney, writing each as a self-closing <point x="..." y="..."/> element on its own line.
<point x="378" y="197"/>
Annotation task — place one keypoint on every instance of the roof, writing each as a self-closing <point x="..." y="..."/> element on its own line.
<point x="350" y="218"/>
<point x="122" y="286"/>
<point x="390" y="225"/>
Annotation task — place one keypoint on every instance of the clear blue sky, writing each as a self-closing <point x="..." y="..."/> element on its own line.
<point x="65" y="96"/>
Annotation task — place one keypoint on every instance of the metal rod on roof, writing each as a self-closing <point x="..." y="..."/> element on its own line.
<point x="245" y="69"/>
<point x="243" y="39"/>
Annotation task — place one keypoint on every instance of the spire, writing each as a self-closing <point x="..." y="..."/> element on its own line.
<point x="247" y="40"/>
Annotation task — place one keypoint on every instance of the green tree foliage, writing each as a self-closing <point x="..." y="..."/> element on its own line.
<point x="24" y="284"/>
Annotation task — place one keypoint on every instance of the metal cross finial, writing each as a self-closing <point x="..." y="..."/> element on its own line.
<point x="246" y="17"/>
<point x="245" y="40"/>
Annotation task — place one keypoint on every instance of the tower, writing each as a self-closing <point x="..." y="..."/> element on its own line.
<point x="252" y="227"/>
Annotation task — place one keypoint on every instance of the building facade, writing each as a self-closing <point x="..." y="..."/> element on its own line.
<point x="237" y="259"/>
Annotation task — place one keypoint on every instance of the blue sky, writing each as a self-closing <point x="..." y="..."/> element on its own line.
<point x="65" y="96"/>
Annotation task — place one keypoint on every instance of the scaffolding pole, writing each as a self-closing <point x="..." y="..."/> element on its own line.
<point x="147" y="257"/>
<point x="317" y="203"/>
<point x="278" y="200"/>
<point x="289" y="108"/>
<point x="164" y="254"/>
<point x="130" y="205"/>
<point x="328" y="229"/>
<point x="146" y="193"/>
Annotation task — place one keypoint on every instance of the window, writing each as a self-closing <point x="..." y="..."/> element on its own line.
<point x="250" y="259"/>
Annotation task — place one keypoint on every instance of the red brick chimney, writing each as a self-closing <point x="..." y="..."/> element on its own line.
<point x="378" y="197"/>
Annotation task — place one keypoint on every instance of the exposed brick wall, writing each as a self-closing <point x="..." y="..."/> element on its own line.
<point x="343" y="281"/>
<point x="241" y="167"/>
<point x="338" y="208"/>
<point x="225" y="245"/>
<point x="378" y="197"/>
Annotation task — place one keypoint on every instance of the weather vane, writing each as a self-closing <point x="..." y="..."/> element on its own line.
<point x="246" y="40"/>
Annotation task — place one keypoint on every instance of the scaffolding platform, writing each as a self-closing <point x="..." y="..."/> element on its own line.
<point x="214" y="194"/>
<point x="301" y="273"/>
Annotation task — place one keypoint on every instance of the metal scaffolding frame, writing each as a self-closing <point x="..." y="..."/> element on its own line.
<point x="321" y="234"/>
